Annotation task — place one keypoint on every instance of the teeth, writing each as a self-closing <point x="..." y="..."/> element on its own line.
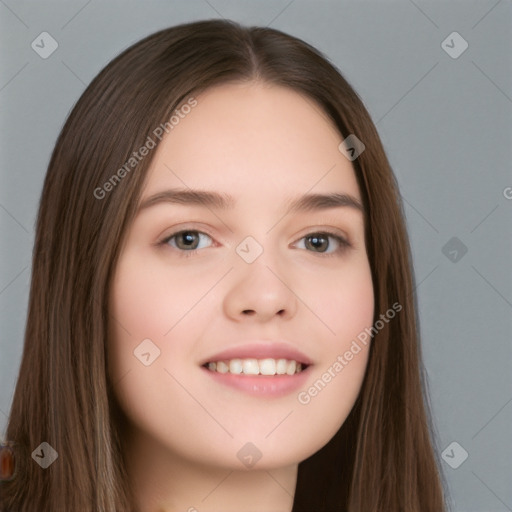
<point x="222" y="367"/>
<point x="267" y="366"/>
<point x="281" y="366"/>
<point x="235" y="366"/>
<point x="250" y="367"/>
<point x="292" y="366"/>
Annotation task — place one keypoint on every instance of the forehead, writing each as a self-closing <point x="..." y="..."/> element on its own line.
<point x="253" y="140"/>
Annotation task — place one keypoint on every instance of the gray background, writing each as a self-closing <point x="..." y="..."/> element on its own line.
<point x="445" y="123"/>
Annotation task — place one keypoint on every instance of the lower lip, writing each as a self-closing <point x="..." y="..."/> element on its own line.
<point x="262" y="385"/>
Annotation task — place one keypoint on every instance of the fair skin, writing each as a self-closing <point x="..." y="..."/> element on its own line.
<point x="264" y="145"/>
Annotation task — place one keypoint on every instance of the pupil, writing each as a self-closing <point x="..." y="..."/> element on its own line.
<point x="188" y="238"/>
<point x="318" y="241"/>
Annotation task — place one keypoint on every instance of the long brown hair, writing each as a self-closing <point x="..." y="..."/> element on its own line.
<point x="381" y="459"/>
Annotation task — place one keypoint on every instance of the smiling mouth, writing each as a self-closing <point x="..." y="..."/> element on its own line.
<point x="249" y="366"/>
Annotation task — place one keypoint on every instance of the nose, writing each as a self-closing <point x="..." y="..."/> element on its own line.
<point x="258" y="292"/>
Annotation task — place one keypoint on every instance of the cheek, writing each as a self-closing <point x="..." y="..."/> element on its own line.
<point x="150" y="302"/>
<point x="326" y="401"/>
<point x="141" y="323"/>
<point x="343" y="301"/>
<point x="149" y="331"/>
<point x="141" y="298"/>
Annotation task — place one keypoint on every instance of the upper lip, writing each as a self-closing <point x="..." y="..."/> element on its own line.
<point x="260" y="350"/>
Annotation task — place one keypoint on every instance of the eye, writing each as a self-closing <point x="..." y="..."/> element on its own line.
<point x="187" y="240"/>
<point x="320" y="242"/>
<point x="324" y="243"/>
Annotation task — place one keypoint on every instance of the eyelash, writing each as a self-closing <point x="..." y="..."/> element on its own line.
<point x="343" y="243"/>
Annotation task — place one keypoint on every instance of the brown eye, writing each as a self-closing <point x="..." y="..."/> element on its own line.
<point x="318" y="242"/>
<point x="185" y="240"/>
<point x="324" y="243"/>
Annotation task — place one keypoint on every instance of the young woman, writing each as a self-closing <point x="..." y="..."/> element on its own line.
<point x="221" y="314"/>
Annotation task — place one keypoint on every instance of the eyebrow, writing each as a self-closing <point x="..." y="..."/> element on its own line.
<point x="215" y="200"/>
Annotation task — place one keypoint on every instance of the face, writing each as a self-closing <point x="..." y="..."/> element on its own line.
<point x="234" y="315"/>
